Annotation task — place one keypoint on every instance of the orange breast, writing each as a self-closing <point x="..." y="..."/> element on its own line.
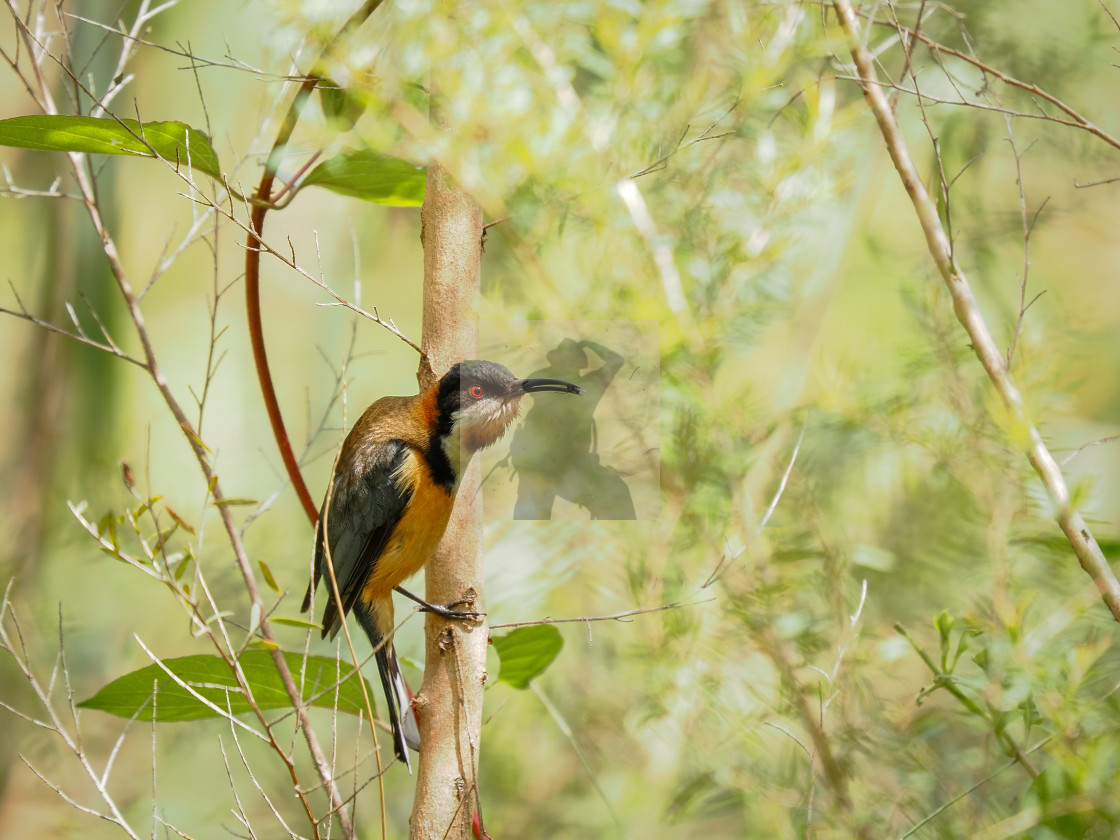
<point x="416" y="535"/>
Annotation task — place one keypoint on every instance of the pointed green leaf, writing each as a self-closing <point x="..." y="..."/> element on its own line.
<point x="173" y="141"/>
<point x="211" y="677"/>
<point x="526" y="652"/>
<point x="296" y="622"/>
<point x="371" y="176"/>
<point x="160" y="538"/>
<point x="177" y="571"/>
<point x="268" y="578"/>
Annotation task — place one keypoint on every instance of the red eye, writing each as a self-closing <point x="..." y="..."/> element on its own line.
<point x="476" y="391"/>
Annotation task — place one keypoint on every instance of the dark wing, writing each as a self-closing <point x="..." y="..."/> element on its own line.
<point x="364" y="511"/>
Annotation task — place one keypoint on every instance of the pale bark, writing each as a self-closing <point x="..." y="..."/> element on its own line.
<point x="449" y="705"/>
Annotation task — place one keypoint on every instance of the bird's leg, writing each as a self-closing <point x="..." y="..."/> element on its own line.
<point x="447" y="611"/>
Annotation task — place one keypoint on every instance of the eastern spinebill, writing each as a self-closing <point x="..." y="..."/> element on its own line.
<point x="390" y="498"/>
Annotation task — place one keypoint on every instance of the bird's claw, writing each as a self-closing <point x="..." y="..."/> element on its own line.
<point x="449" y="612"/>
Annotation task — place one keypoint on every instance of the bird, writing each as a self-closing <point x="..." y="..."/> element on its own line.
<point x="389" y="500"/>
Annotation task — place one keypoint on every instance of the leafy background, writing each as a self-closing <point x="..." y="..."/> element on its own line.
<point x="811" y="307"/>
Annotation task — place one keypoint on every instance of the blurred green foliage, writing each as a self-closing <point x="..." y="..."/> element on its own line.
<point x="907" y="648"/>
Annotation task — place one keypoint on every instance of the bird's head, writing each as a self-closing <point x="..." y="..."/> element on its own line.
<point x="478" y="400"/>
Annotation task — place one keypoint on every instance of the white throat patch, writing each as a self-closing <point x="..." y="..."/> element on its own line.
<point x="475" y="427"/>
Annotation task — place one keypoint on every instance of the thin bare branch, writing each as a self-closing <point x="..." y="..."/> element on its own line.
<point x="35" y="721"/>
<point x="56" y="724"/>
<point x="1111" y="16"/>
<point x="964" y="102"/>
<point x="73" y="803"/>
<point x="1075" y="119"/>
<point x="79" y="335"/>
<point x="170" y="827"/>
<point x="726" y="563"/>
<point x="792" y="737"/>
<point x="968" y="313"/>
<point x="1084" y="446"/>
<point x="212" y="363"/>
<point x="1095" y="183"/>
<point x="621" y="616"/>
<point x="566" y="730"/>
<point x="1028" y="223"/>
<point x="253" y="778"/>
<point x="706" y="134"/>
<point x="120" y="739"/>
<point x="834" y="773"/>
<point x="240" y="814"/>
<point x="967" y="791"/>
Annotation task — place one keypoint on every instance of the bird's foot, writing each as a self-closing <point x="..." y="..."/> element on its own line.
<point x="447" y="611"/>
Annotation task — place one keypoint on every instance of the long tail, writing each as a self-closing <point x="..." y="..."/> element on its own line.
<point x="376" y="618"/>
<point x="398" y="700"/>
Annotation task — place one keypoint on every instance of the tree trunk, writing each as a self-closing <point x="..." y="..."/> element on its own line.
<point x="449" y="705"/>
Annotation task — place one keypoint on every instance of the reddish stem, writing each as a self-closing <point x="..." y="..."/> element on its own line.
<point x="262" y="202"/>
<point x="261" y="206"/>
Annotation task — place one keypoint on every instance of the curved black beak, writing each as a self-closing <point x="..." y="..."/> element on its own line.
<point x="528" y="386"/>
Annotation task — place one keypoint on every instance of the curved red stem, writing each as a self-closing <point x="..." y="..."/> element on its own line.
<point x="261" y="205"/>
<point x="253" y="300"/>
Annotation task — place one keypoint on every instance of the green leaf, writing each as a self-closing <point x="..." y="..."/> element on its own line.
<point x="182" y="565"/>
<point x="963" y="646"/>
<point x="173" y="141"/>
<point x="341" y="106"/>
<point x="160" y="538"/>
<point x="526" y="652"/>
<point x="268" y="578"/>
<point x="108" y="525"/>
<point x="371" y="176"/>
<point x="234" y="501"/>
<point x="944" y="624"/>
<point x="296" y="622"/>
<point x="144" y="507"/>
<point x="211" y="677"/>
